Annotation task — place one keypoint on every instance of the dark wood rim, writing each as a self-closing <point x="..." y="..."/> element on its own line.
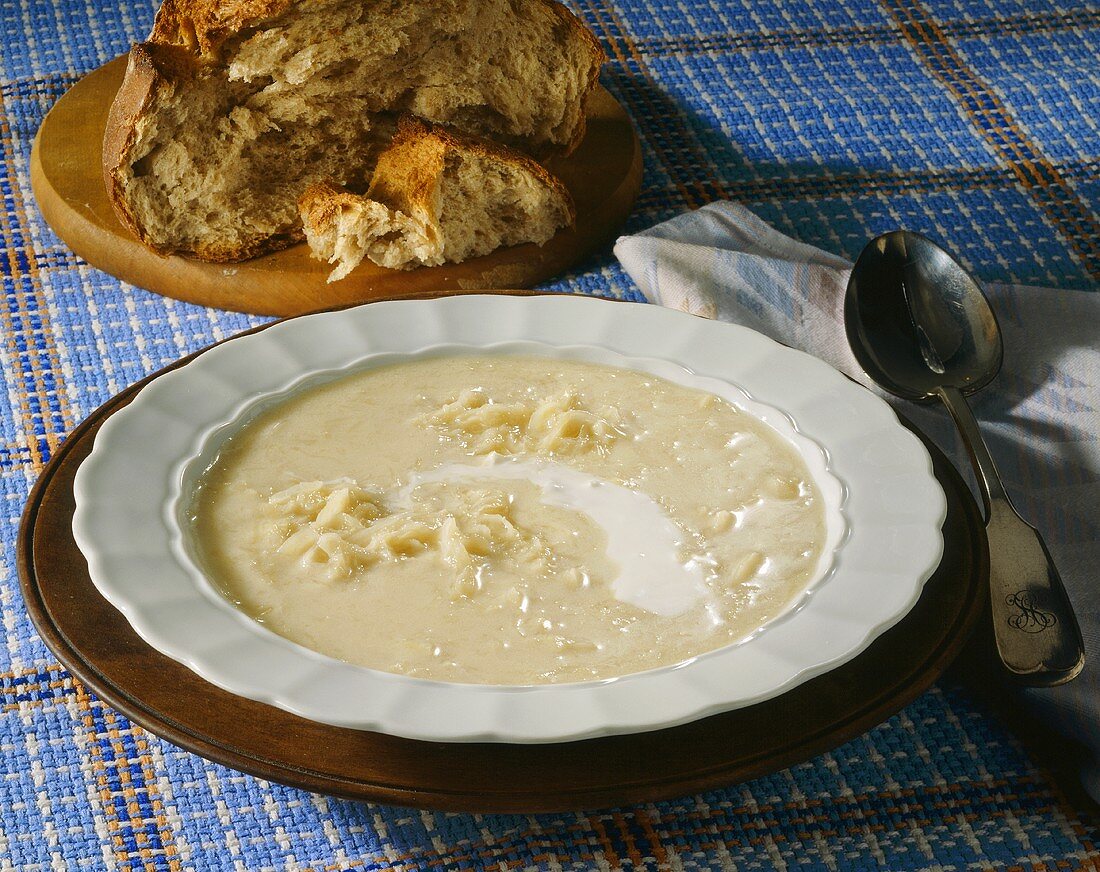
<point x="873" y="686"/>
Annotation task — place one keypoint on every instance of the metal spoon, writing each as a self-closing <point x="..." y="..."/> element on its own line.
<point x="922" y="328"/>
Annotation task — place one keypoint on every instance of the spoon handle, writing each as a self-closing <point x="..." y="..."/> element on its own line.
<point x="1033" y="622"/>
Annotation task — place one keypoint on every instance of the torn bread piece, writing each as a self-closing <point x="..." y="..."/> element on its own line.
<point x="232" y="108"/>
<point x="436" y="197"/>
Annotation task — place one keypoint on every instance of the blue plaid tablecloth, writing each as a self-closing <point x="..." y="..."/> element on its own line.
<point x="972" y="121"/>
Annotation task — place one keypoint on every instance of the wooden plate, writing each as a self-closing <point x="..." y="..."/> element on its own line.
<point x="603" y="175"/>
<point x="96" y="644"/>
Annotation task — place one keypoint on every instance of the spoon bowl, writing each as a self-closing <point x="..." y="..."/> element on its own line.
<point x="922" y="329"/>
<point x="917" y="321"/>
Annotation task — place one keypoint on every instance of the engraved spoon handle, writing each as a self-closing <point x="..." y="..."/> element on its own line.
<point x="1033" y="622"/>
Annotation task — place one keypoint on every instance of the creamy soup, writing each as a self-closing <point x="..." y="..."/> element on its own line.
<point x="508" y="520"/>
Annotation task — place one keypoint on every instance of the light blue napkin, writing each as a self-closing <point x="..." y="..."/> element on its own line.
<point x="1040" y="416"/>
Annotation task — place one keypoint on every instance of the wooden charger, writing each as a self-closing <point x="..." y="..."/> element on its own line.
<point x="603" y="175"/>
<point x="96" y="644"/>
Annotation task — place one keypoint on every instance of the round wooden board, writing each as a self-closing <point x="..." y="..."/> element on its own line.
<point x="96" y="644"/>
<point x="603" y="175"/>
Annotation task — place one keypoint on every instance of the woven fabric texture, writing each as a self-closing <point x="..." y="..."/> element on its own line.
<point x="972" y="121"/>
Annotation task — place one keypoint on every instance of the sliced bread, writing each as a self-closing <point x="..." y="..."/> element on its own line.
<point x="233" y="107"/>
<point x="436" y="197"/>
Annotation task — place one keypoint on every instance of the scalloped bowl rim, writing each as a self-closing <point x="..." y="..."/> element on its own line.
<point x="179" y="613"/>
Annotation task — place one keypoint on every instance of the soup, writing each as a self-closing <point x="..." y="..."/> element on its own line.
<point x="508" y="520"/>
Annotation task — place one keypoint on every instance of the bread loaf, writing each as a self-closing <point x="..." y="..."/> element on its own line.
<point x="231" y="109"/>
<point x="435" y="197"/>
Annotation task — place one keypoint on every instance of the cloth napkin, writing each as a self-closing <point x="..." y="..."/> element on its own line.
<point x="1040" y="415"/>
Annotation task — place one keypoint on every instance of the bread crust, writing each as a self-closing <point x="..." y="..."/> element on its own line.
<point x="408" y="173"/>
<point x="204" y="26"/>
<point x="597" y="58"/>
<point x="143" y="82"/>
<point x="322" y="202"/>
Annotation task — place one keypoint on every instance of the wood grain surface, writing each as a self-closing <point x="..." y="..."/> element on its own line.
<point x="603" y="175"/>
<point x="96" y="644"/>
